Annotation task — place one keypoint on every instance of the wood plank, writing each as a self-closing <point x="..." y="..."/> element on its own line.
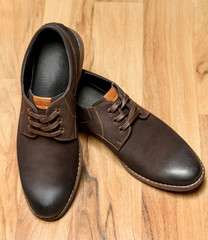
<point x="118" y="56"/>
<point x="76" y="14"/>
<point x="9" y="180"/>
<point x="169" y="91"/>
<point x="120" y="1"/>
<point x="158" y="55"/>
<point x="70" y="225"/>
<point x="204" y="154"/>
<point x="16" y="34"/>
<point x="200" y="69"/>
<point x="201" y="53"/>
<point x="19" y="20"/>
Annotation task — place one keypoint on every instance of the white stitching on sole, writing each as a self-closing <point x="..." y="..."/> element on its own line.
<point x="166" y="185"/>
<point x="157" y="183"/>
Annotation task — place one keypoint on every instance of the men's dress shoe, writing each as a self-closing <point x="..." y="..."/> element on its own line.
<point x="148" y="149"/>
<point x="49" y="152"/>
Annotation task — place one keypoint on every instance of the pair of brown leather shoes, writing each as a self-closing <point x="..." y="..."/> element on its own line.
<point x="49" y="152"/>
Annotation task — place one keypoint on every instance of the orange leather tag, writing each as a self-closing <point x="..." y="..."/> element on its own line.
<point x="41" y="102"/>
<point x="111" y="95"/>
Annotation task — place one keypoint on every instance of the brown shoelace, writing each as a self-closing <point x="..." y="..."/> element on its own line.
<point x="131" y="112"/>
<point x="45" y="125"/>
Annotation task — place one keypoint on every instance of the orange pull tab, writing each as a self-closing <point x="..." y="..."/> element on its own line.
<point x="111" y="95"/>
<point x="41" y="102"/>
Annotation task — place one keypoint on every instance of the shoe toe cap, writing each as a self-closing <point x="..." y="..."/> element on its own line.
<point x="50" y="173"/>
<point x="47" y="203"/>
<point x="183" y="169"/>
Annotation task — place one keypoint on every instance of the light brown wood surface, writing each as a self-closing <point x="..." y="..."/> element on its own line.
<point x="157" y="51"/>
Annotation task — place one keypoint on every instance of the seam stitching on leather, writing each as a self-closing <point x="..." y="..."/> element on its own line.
<point x="70" y="92"/>
<point x="89" y="114"/>
<point x="73" y="50"/>
<point x="85" y="122"/>
<point x="78" y="43"/>
<point x="76" y="39"/>
<point x="102" y="137"/>
<point x="70" y="43"/>
<point x="74" y="116"/>
<point x="121" y="143"/>
<point x="101" y="124"/>
<point x="79" y="47"/>
<point x="102" y="105"/>
<point x="148" y="180"/>
<point x="125" y="138"/>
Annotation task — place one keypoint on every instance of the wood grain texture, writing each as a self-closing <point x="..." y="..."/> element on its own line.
<point x="169" y="90"/>
<point x="156" y="50"/>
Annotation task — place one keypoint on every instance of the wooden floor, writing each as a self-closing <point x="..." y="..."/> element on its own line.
<point x="157" y="51"/>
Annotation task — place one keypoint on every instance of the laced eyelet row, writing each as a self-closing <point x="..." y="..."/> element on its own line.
<point x="28" y="125"/>
<point x="49" y="126"/>
<point x="114" y="120"/>
<point x="128" y="112"/>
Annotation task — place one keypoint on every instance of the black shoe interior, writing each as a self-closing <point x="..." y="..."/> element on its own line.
<point x="91" y="89"/>
<point x="50" y="70"/>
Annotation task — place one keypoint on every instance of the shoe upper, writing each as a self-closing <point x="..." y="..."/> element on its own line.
<point x="47" y="144"/>
<point x="146" y="146"/>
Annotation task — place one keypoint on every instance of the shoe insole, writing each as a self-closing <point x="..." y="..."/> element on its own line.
<point x="88" y="95"/>
<point x="50" y="67"/>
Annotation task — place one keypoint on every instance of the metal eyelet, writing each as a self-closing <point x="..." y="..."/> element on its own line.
<point x="60" y="120"/>
<point x="58" y="110"/>
<point x="120" y="129"/>
<point x="28" y="126"/>
<point x="109" y="111"/>
<point x="28" y="109"/>
<point x="114" y="120"/>
<point x="28" y="117"/>
<point x="62" y="130"/>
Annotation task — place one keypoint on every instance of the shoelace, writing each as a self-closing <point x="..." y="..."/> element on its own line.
<point x="44" y="125"/>
<point x="131" y="112"/>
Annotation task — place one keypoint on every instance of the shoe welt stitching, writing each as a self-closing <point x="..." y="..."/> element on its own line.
<point x="154" y="182"/>
<point x="167" y="185"/>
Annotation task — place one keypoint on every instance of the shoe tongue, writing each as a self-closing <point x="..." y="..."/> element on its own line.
<point x="111" y="95"/>
<point x="41" y="103"/>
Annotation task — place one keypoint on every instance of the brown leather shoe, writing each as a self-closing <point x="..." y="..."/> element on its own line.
<point x="49" y="153"/>
<point x="148" y="149"/>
